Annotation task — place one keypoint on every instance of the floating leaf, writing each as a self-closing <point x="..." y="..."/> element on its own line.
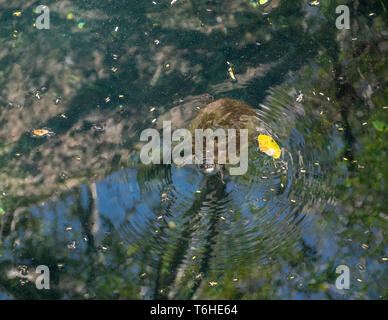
<point x="269" y="146"/>
<point x="380" y="125"/>
<point x="2" y="211"/>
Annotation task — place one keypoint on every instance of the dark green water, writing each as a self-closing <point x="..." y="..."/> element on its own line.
<point x="108" y="227"/>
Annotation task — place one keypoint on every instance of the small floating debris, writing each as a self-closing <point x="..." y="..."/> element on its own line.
<point x="300" y="97"/>
<point x="2" y="211"/>
<point x="40" y="133"/>
<point x="114" y="69"/>
<point x="152" y="109"/>
<point x="156" y="41"/>
<point x="97" y="127"/>
<point x="269" y="146"/>
<point x="364" y="246"/>
<point x="23" y="270"/>
<point x="313" y="3"/>
<point x="164" y="197"/>
<point x="107" y="99"/>
<point x="116" y="29"/>
<point x="194" y="257"/>
<point x="103" y="248"/>
<point x="230" y="72"/>
<point x="293" y="201"/>
<point x="72" y="245"/>
<point x="69" y="16"/>
<point x="81" y="25"/>
<point x="212" y="283"/>
<point x="17" y="13"/>
<point x="173" y="2"/>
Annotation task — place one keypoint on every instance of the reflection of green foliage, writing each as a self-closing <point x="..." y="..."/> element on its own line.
<point x="354" y="190"/>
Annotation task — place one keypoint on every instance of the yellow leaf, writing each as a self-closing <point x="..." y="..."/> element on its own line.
<point x="269" y="146"/>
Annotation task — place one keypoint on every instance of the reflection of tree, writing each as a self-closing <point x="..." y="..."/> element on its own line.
<point x="83" y="78"/>
<point x="76" y="65"/>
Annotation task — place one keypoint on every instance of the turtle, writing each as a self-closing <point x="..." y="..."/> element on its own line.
<point x="228" y="113"/>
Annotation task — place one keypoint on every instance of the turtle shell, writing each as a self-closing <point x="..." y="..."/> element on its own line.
<point x="227" y="113"/>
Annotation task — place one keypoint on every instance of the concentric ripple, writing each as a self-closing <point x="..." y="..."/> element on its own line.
<point x="190" y="223"/>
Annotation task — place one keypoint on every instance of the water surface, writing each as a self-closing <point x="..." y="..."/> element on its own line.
<point x="109" y="227"/>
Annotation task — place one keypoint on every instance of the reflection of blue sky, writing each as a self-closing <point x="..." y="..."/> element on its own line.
<point x="118" y="195"/>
